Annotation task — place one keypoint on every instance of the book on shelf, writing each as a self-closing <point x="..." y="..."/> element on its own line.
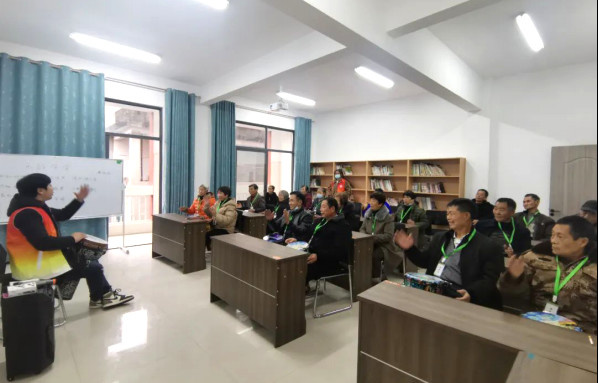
<point x="314" y="183"/>
<point x="428" y="187"/>
<point x="316" y="171"/>
<point x="347" y="169"/>
<point x="386" y="170"/>
<point x="427" y="203"/>
<point x="385" y="185"/>
<point x="427" y="170"/>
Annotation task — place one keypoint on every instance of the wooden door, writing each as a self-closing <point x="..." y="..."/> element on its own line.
<point x="572" y="178"/>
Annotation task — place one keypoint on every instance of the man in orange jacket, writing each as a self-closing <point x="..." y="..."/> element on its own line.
<point x="200" y="203"/>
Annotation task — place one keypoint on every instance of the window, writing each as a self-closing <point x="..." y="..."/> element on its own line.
<point x="133" y="136"/>
<point x="264" y="157"/>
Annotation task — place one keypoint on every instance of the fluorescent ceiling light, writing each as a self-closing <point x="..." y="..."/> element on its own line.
<point x="297" y="99"/>
<point x="216" y="4"/>
<point x="114" y="48"/>
<point x="530" y="32"/>
<point x="374" y="77"/>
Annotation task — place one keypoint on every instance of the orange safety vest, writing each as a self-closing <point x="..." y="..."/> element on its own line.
<point x="26" y="262"/>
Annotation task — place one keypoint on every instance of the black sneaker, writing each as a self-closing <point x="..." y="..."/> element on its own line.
<point x="114" y="298"/>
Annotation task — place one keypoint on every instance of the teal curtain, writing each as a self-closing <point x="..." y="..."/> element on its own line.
<point x="224" y="151"/>
<point x="180" y="144"/>
<point x="51" y="110"/>
<point x="302" y="151"/>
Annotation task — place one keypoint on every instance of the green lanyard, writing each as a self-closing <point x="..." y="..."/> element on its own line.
<point x="219" y="206"/>
<point x="276" y="209"/>
<point x="531" y="220"/>
<point x="509" y="240"/>
<point x="558" y="284"/>
<point x="374" y="226"/>
<point x="404" y="213"/>
<point x="340" y="211"/>
<point x="320" y="225"/>
<point x="255" y="199"/>
<point x="473" y="233"/>
<point x="287" y="225"/>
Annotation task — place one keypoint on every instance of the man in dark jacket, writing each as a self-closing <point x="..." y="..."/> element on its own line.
<point x="37" y="249"/>
<point x="330" y="242"/>
<point x="485" y="208"/>
<point x="504" y="230"/>
<point x="539" y="225"/>
<point x="295" y="222"/>
<point x="274" y="213"/>
<point x="461" y="256"/>
<point x="409" y="212"/>
<point x="271" y="198"/>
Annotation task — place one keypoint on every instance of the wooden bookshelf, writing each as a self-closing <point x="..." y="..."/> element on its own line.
<point x="399" y="175"/>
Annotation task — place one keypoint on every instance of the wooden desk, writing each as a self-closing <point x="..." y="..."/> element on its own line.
<point x="409" y="335"/>
<point x="181" y="240"/>
<point x="264" y="280"/>
<point x="253" y="224"/>
<point x="361" y="269"/>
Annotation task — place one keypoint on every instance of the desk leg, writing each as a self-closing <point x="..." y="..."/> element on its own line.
<point x="155" y="255"/>
<point x="214" y="298"/>
<point x="362" y="267"/>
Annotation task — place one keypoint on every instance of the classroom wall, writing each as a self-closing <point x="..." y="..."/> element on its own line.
<point x="423" y="126"/>
<point x="507" y="145"/>
<point x="530" y="114"/>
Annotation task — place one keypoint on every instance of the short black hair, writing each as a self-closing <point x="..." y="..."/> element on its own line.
<point x="28" y="185"/>
<point x="535" y="197"/>
<point x="511" y="204"/>
<point x="380" y="197"/>
<point x="410" y="194"/>
<point x="378" y="190"/>
<point x="254" y="186"/>
<point x="485" y="192"/>
<point x="332" y="202"/>
<point x="581" y="228"/>
<point x="304" y="186"/>
<point x="272" y="186"/>
<point x="225" y="190"/>
<point x="300" y="196"/>
<point x="465" y="205"/>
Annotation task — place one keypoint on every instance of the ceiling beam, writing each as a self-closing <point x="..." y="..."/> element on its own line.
<point x="440" y="16"/>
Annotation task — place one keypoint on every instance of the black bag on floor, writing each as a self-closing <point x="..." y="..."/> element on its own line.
<point x="28" y="327"/>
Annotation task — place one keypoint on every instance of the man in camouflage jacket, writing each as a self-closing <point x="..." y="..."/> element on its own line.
<point x="532" y="276"/>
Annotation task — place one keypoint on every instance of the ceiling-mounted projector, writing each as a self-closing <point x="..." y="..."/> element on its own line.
<point x="279" y="105"/>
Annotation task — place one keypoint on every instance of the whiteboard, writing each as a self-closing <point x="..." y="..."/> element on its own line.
<point x="104" y="177"/>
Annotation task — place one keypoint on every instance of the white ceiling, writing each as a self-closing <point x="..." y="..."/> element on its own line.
<point x="489" y="41"/>
<point x="196" y="43"/>
<point x="332" y="83"/>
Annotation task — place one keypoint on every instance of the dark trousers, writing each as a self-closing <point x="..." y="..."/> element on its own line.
<point x="214" y="233"/>
<point x="93" y="272"/>
<point x="321" y="269"/>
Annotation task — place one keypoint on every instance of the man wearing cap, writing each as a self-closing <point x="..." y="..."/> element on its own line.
<point x="38" y="250"/>
<point x="588" y="211"/>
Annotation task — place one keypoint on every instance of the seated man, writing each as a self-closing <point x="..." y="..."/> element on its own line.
<point x="386" y="204"/>
<point x="346" y="208"/>
<point x="276" y="212"/>
<point x="485" y="208"/>
<point x="504" y="231"/>
<point x="294" y="222"/>
<point x="330" y="242"/>
<point x="539" y="225"/>
<point x="320" y="195"/>
<point x="271" y="198"/>
<point x="461" y="256"/>
<point x="558" y="277"/>
<point x="308" y="198"/>
<point x="37" y="250"/>
<point x="223" y="215"/>
<point x="410" y="213"/>
<point x="202" y="201"/>
<point x="588" y="211"/>
<point x="380" y="224"/>
<point x="255" y="202"/>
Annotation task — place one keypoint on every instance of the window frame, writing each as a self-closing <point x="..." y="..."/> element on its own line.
<point x="265" y="150"/>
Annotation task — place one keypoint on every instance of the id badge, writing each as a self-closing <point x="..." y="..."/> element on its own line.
<point x="439" y="269"/>
<point x="551" y="308"/>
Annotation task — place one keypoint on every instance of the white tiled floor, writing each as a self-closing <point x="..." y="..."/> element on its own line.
<point x="172" y="333"/>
